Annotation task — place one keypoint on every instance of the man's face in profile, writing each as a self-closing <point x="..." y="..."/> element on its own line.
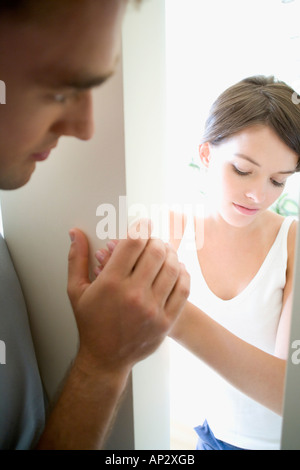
<point x="49" y="66"/>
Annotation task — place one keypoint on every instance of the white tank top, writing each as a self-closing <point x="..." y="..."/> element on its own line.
<point x="253" y="315"/>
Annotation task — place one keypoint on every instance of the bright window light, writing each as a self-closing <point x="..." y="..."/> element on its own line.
<point x="211" y="45"/>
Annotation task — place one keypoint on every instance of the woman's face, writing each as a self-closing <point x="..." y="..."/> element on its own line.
<point x="247" y="173"/>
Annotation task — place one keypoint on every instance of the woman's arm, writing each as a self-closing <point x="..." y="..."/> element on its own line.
<point x="283" y="332"/>
<point x="256" y="373"/>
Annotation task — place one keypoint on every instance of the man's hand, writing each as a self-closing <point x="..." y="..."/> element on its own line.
<point x="122" y="317"/>
<point x="126" y="312"/>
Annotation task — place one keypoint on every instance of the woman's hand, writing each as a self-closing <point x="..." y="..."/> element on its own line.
<point x="103" y="255"/>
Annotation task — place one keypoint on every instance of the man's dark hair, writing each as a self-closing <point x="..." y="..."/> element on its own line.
<point x="25" y="9"/>
<point x="22" y="5"/>
<point x="30" y="9"/>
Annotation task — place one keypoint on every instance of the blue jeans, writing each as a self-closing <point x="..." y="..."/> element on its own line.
<point x="207" y="440"/>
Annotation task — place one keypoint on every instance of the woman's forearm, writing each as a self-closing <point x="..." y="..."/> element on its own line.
<point x="253" y="371"/>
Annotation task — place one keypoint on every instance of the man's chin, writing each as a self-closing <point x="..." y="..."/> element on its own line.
<point x="14" y="182"/>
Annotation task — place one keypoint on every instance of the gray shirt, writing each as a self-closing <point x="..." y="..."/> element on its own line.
<point x="22" y="406"/>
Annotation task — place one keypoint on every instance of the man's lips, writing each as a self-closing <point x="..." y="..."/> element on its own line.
<point x="41" y="156"/>
<point x="245" y="210"/>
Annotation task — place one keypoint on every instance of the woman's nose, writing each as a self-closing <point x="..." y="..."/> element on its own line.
<point x="257" y="193"/>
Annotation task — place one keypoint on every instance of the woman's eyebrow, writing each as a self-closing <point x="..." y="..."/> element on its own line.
<point x="290" y="172"/>
<point x="245" y="157"/>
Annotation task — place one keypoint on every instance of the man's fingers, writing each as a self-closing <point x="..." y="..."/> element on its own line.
<point x="78" y="264"/>
<point x="127" y="251"/>
<point x="179" y="294"/>
<point x="150" y="263"/>
<point x="167" y="276"/>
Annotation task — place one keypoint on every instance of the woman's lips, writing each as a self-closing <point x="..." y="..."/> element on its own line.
<point x="245" y="210"/>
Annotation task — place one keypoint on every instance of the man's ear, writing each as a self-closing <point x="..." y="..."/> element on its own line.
<point x="204" y="154"/>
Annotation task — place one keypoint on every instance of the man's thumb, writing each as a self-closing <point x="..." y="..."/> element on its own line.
<point x="78" y="264"/>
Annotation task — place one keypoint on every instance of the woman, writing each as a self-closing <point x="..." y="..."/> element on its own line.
<point x="242" y="273"/>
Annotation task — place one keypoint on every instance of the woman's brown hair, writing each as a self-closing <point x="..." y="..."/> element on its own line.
<point x="256" y="100"/>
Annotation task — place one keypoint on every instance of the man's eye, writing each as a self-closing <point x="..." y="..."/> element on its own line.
<point x="59" y="98"/>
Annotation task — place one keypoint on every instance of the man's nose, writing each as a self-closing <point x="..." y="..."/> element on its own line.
<point x="78" y="120"/>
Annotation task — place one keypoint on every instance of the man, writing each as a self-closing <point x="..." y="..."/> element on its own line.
<point x="52" y="53"/>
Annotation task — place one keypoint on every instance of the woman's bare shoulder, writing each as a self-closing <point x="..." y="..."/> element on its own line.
<point x="273" y="219"/>
<point x="276" y="221"/>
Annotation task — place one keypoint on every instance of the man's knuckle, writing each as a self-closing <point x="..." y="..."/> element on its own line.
<point x="157" y="250"/>
<point x="146" y="308"/>
<point x="110" y="284"/>
<point x="135" y="298"/>
<point x="135" y="243"/>
<point x="152" y="310"/>
<point x="185" y="291"/>
<point x="184" y="287"/>
<point x="172" y="267"/>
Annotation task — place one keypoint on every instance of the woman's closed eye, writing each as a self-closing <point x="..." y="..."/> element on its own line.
<point x="240" y="172"/>
<point x="278" y="184"/>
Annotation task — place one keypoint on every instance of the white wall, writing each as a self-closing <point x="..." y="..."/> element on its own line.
<point x="144" y="105"/>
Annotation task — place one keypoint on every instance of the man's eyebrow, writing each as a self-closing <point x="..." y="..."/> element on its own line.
<point x="80" y="83"/>
<point x="77" y="79"/>
<point x="245" y="157"/>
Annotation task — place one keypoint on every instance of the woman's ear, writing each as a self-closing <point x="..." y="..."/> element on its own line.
<point x="204" y="154"/>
